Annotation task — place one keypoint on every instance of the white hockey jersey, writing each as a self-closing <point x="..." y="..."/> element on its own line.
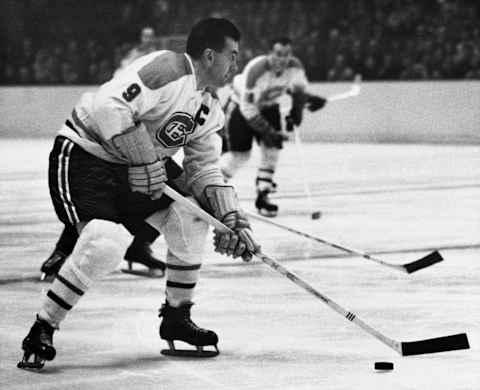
<point x="258" y="86"/>
<point x="160" y="91"/>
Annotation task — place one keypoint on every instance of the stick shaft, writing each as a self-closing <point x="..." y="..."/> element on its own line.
<point x="327" y="242"/>
<point x="395" y="345"/>
<point x="352" y="92"/>
<point x="341" y="96"/>
<point x="298" y="143"/>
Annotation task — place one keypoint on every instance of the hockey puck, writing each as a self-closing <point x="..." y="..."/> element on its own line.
<point x="316" y="215"/>
<point x="384" y="366"/>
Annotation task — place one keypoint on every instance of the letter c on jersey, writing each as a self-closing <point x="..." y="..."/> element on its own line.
<point x="175" y="131"/>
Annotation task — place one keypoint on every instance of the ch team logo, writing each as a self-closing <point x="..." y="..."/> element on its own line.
<point x="271" y="93"/>
<point x="175" y="131"/>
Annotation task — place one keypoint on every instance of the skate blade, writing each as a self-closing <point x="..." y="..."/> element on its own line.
<point x="152" y="273"/>
<point x="37" y="363"/>
<point x="198" y="353"/>
<point x="47" y="278"/>
<point x="268" y="214"/>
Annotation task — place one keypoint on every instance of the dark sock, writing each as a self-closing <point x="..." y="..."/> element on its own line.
<point x="146" y="234"/>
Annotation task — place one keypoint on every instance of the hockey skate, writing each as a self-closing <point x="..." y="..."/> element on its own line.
<point x="264" y="206"/>
<point x="142" y="254"/>
<point x="177" y="325"/>
<point x="52" y="265"/>
<point x="39" y="344"/>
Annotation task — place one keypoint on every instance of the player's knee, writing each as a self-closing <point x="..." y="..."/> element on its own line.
<point x="100" y="248"/>
<point x="184" y="233"/>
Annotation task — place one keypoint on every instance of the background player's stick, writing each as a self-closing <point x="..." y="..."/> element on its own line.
<point x="409" y="268"/>
<point x="314" y="214"/>
<point x="352" y="92"/>
<point x="439" y="344"/>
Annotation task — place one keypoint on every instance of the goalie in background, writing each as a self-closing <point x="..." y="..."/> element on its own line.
<point x="253" y="111"/>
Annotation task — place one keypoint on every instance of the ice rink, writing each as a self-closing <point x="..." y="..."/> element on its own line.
<point x="398" y="202"/>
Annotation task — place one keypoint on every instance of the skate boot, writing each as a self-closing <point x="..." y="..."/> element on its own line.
<point x="142" y="254"/>
<point x="52" y="265"/>
<point x="177" y="325"/>
<point x="39" y="344"/>
<point x="263" y="205"/>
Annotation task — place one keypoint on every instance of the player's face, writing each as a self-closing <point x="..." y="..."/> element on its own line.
<point x="279" y="57"/>
<point x="225" y="64"/>
<point x="147" y="36"/>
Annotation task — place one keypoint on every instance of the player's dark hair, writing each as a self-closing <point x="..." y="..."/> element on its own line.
<point x="210" y="33"/>
<point x="282" y="40"/>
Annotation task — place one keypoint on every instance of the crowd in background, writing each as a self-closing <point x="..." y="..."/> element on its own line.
<point x="83" y="42"/>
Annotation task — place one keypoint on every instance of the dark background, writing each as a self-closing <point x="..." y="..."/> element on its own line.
<point x="82" y="42"/>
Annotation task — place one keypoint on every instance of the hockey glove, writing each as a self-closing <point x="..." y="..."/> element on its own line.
<point x="148" y="179"/>
<point x="222" y="202"/>
<point x="289" y="123"/>
<point x="270" y="137"/>
<point x="315" y="103"/>
<point x="237" y="244"/>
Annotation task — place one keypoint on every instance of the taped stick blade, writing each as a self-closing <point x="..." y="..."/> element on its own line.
<point x="439" y="344"/>
<point x="424" y="262"/>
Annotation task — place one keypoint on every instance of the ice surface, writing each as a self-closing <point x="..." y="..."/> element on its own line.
<point x="397" y="201"/>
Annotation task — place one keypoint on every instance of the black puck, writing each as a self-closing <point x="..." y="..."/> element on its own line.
<point x="316" y="214"/>
<point x="383" y="366"/>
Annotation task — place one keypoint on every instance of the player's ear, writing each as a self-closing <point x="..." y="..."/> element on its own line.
<point x="208" y="56"/>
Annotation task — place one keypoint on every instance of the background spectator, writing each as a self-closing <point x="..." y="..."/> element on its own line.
<point x="83" y="42"/>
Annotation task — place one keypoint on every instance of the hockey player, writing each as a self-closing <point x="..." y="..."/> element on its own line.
<point x="107" y="164"/>
<point x="254" y="112"/>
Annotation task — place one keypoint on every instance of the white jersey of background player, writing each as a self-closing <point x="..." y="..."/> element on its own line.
<point x="256" y="113"/>
<point x="269" y="78"/>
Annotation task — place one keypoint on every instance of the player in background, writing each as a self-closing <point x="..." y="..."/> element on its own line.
<point x="147" y="45"/>
<point x="107" y="168"/>
<point x="254" y="112"/>
<point x="140" y="250"/>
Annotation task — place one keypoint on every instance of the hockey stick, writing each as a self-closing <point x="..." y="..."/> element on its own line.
<point x="409" y="268"/>
<point x="439" y="344"/>
<point x="298" y="143"/>
<point x="352" y="92"/>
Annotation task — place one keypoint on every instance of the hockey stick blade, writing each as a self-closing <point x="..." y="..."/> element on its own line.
<point x="352" y="92"/>
<point x="424" y="262"/>
<point x="408" y="268"/>
<point x="439" y="344"/>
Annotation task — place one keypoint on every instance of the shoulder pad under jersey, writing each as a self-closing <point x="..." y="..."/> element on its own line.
<point x="254" y="70"/>
<point x="163" y="69"/>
